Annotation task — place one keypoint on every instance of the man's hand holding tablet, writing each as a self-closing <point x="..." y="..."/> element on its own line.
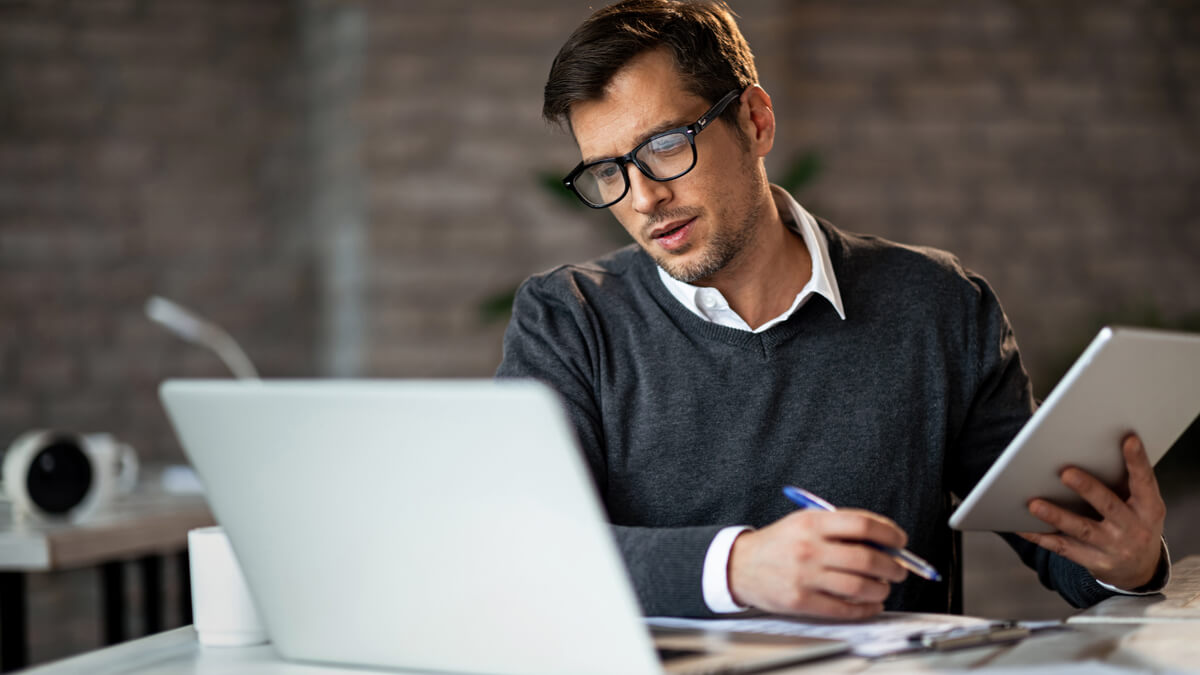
<point x="1078" y="479"/>
<point x="1123" y="548"/>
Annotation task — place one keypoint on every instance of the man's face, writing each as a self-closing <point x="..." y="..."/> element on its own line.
<point x="694" y="226"/>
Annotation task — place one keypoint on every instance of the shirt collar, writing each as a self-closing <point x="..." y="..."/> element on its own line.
<point x="823" y="281"/>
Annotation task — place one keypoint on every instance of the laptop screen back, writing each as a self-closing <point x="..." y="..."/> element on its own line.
<point x="446" y="525"/>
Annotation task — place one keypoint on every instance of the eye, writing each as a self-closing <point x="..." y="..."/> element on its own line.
<point x="667" y="145"/>
<point x="606" y="173"/>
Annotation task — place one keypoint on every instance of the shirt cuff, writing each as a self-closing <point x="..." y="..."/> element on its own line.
<point x="1161" y="576"/>
<point x="715" y="577"/>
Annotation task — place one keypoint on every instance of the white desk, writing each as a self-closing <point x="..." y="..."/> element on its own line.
<point x="144" y="526"/>
<point x="1083" y="647"/>
<point x="1155" y="647"/>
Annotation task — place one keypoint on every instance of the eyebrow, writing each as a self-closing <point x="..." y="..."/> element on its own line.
<point x="658" y="129"/>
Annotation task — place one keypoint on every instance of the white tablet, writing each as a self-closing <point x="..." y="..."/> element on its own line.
<point x="1128" y="379"/>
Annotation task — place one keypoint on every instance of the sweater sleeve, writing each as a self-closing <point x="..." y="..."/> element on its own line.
<point x="555" y="337"/>
<point x="1000" y="402"/>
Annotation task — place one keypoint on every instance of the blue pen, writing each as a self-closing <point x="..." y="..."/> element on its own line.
<point x="904" y="557"/>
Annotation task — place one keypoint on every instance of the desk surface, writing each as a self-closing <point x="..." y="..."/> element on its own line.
<point x="1087" y="647"/>
<point x="145" y="522"/>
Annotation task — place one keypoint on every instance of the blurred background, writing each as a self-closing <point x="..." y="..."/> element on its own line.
<point x="353" y="189"/>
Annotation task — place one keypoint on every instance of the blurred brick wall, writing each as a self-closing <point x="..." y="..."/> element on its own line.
<point x="145" y="147"/>
<point x="157" y="145"/>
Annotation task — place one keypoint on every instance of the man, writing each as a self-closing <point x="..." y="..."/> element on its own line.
<point x="740" y="345"/>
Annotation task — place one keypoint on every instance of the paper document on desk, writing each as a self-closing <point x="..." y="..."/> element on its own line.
<point x="884" y="634"/>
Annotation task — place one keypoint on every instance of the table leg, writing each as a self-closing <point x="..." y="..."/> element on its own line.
<point x="14" y="638"/>
<point x="184" y="568"/>
<point x="152" y="596"/>
<point x="114" y="602"/>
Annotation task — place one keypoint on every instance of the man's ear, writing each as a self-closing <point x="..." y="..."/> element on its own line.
<point x="757" y="119"/>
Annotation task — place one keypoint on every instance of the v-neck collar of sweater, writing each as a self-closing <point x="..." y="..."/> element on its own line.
<point x="647" y="273"/>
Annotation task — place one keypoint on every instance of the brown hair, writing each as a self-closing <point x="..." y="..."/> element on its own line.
<point x="709" y="51"/>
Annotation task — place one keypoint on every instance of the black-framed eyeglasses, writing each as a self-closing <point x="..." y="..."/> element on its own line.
<point x="662" y="157"/>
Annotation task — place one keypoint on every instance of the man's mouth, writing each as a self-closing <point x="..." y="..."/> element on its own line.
<point x="674" y="235"/>
<point x="670" y="229"/>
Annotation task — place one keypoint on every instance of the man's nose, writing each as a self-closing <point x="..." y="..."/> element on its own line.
<point x="647" y="195"/>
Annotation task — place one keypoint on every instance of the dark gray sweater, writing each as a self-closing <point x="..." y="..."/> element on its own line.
<point x="690" y="426"/>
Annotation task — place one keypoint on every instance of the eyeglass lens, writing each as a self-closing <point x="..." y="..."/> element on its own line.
<point x="661" y="158"/>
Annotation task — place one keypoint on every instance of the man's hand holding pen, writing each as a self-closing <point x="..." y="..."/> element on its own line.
<point x="816" y="563"/>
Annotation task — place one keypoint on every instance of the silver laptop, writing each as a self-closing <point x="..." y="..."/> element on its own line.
<point x="429" y="525"/>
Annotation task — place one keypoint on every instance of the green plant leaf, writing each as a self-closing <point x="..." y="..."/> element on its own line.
<point x="553" y="185"/>
<point x="498" y="306"/>
<point x="803" y="170"/>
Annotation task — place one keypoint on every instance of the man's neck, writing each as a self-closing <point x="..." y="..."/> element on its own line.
<point x="763" y="282"/>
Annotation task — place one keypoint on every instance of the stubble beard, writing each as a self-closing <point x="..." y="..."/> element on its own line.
<point x="722" y="248"/>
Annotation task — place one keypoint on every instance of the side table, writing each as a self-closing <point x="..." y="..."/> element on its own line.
<point x="145" y="525"/>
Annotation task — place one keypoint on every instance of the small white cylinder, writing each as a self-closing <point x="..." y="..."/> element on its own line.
<point x="223" y="611"/>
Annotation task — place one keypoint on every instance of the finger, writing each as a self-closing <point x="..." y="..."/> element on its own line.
<point x="856" y="611"/>
<point x="853" y="587"/>
<point x="1104" y="500"/>
<point x="1143" y="485"/>
<point x="816" y="603"/>
<point x="864" y="561"/>
<point x="1073" y="525"/>
<point x="1086" y="556"/>
<point x="858" y="525"/>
